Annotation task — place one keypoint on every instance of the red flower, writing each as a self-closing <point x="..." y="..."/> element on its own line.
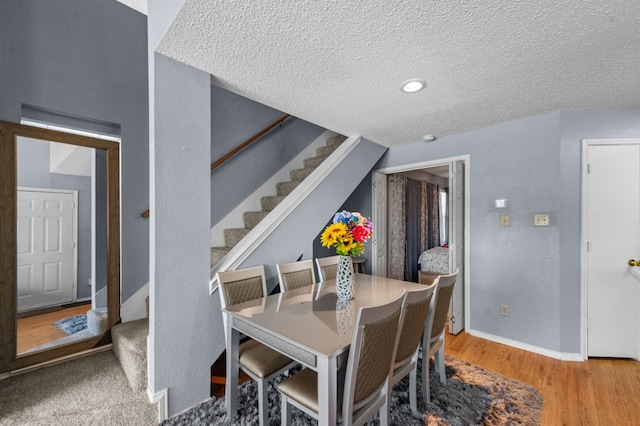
<point x="360" y="233"/>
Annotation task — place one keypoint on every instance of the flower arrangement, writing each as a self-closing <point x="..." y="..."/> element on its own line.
<point x="348" y="233"/>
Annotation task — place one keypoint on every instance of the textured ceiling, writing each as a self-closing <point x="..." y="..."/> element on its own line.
<point x="340" y="64"/>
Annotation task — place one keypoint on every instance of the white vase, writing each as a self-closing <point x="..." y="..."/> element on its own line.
<point x="345" y="278"/>
<point x="345" y="318"/>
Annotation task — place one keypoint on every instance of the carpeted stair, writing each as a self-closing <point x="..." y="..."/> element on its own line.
<point x="233" y="235"/>
<point x="130" y="347"/>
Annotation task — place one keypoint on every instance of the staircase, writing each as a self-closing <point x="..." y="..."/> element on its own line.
<point x="233" y="235"/>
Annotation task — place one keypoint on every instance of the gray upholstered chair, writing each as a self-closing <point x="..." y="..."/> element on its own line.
<point x="417" y="314"/>
<point x="327" y="267"/>
<point x="366" y="378"/>
<point x="260" y="362"/>
<point x="295" y="274"/>
<point x="433" y="339"/>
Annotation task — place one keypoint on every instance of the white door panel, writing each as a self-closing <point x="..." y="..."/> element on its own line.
<point x="45" y="244"/>
<point x="456" y="243"/>
<point x="613" y="235"/>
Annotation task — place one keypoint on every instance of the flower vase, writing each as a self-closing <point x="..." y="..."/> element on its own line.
<point x="345" y="278"/>
<point x="345" y="319"/>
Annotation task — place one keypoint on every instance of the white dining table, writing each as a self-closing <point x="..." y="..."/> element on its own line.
<point x="309" y="325"/>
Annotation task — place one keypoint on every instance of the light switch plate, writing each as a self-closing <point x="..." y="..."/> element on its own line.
<point x="501" y="204"/>
<point x="541" y="220"/>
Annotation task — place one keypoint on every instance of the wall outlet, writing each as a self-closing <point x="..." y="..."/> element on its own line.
<point x="504" y="220"/>
<point x="504" y="310"/>
<point x="541" y="220"/>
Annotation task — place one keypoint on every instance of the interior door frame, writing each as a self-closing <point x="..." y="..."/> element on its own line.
<point x="9" y="133"/>
<point x="466" y="159"/>
<point x="584" y="313"/>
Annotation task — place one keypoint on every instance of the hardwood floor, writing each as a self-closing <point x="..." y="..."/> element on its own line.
<point x="39" y="329"/>
<point x="594" y="392"/>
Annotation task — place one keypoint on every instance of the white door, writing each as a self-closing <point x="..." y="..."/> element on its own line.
<point x="45" y="240"/>
<point x="379" y="218"/>
<point x="456" y="243"/>
<point x="612" y="190"/>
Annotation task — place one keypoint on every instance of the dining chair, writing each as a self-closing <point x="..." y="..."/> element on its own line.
<point x="433" y="339"/>
<point x="327" y="267"/>
<point x="260" y="362"/>
<point x="295" y="274"/>
<point x="366" y="377"/>
<point x="417" y="314"/>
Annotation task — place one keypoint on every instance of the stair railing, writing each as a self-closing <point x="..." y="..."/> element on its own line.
<point x="239" y="148"/>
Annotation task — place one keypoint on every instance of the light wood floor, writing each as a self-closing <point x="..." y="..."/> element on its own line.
<point x="39" y="329"/>
<point x="595" y="392"/>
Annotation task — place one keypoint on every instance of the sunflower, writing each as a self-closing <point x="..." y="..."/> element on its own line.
<point x="333" y="234"/>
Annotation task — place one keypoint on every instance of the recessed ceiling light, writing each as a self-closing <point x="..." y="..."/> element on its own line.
<point x="428" y="138"/>
<point x="412" y="86"/>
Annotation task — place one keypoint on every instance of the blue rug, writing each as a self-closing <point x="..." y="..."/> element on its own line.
<point x="72" y="324"/>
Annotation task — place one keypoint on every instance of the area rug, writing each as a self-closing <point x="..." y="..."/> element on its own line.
<point x="71" y="325"/>
<point x="472" y="396"/>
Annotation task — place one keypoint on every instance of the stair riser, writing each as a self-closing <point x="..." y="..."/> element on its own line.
<point x="233" y="236"/>
<point x="285" y="188"/>
<point x="217" y="253"/>
<point x="269" y="203"/>
<point x="314" y="161"/>
<point x="301" y="174"/>
<point x="251" y="219"/>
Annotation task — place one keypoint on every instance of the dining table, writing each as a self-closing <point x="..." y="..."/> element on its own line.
<point x="311" y="326"/>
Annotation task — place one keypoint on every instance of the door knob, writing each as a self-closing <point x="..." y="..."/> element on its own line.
<point x="634" y="262"/>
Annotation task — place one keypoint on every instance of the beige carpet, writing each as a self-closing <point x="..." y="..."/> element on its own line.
<point x="87" y="391"/>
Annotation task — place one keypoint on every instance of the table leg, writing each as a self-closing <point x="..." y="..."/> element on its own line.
<point x="327" y="391"/>
<point x="231" y="383"/>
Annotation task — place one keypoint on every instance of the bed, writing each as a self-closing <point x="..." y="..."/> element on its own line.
<point x="435" y="260"/>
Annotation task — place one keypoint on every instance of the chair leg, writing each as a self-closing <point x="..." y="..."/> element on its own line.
<point x="413" y="392"/>
<point x="439" y="362"/>
<point x="263" y="405"/>
<point x="384" y="411"/>
<point x="285" y="410"/>
<point x="426" y="397"/>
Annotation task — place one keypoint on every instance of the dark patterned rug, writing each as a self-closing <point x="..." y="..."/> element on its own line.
<point x="472" y="396"/>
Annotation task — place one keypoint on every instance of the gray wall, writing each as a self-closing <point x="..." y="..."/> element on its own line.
<point x="534" y="163"/>
<point x="86" y="58"/>
<point x="361" y="201"/>
<point x="33" y="171"/>
<point x="186" y="334"/>
<point x="235" y="119"/>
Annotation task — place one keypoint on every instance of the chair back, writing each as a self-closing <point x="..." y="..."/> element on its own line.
<point x="415" y="318"/>
<point x="295" y="274"/>
<point x="241" y="285"/>
<point x="371" y="355"/>
<point x="327" y="267"/>
<point x="442" y="301"/>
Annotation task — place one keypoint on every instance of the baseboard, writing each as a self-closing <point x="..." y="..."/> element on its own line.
<point x="162" y="399"/>
<point x="562" y="356"/>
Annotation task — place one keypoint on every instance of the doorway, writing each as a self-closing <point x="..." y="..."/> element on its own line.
<point x="611" y="241"/>
<point x="456" y="171"/>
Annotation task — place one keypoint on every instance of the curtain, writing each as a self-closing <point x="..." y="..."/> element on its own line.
<point x="397" y="226"/>
<point x="414" y="224"/>
<point x="415" y="227"/>
<point x="430" y="212"/>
